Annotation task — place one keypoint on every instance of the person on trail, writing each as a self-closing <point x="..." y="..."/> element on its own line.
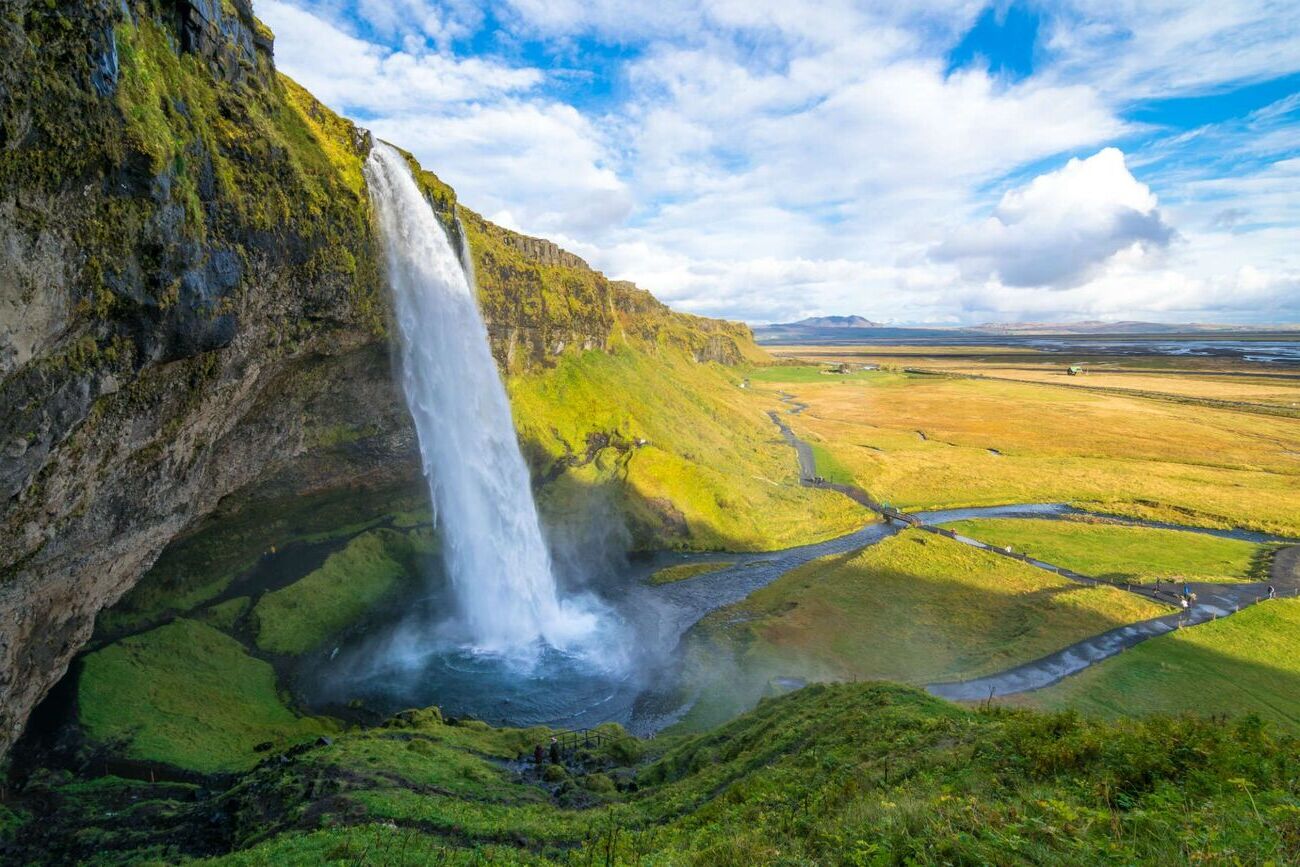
<point x="539" y="755"/>
<point x="555" y="751"/>
<point x="1272" y="592"/>
<point x="1187" y="589"/>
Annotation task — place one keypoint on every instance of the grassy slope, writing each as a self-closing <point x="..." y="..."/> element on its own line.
<point x="187" y="695"/>
<point x="862" y="773"/>
<point x="1249" y="662"/>
<point x="712" y="462"/>
<point x="916" y="608"/>
<point x="198" y="567"/>
<point x="1137" y="554"/>
<point x="1129" y="455"/>
<point x="669" y="574"/>
<point x="351" y="582"/>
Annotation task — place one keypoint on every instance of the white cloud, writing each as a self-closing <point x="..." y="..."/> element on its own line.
<point x="356" y="76"/>
<point x="540" y="163"/>
<point x="1062" y="227"/>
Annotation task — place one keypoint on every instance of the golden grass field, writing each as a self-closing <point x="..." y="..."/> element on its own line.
<point x="924" y="441"/>
<point x="1205" y="378"/>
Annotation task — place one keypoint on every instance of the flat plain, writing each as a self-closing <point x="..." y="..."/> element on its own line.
<point x="931" y="440"/>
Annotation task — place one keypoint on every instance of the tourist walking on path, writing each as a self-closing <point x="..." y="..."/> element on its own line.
<point x="555" y="751"/>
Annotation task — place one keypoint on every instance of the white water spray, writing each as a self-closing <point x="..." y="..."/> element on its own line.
<point x="492" y="539"/>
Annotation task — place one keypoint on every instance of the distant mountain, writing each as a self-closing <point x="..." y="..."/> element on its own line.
<point x="816" y="329"/>
<point x="829" y="322"/>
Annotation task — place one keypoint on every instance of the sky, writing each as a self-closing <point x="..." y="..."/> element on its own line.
<point x="941" y="162"/>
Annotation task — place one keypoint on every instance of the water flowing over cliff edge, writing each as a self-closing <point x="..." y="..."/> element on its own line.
<point x="492" y="538"/>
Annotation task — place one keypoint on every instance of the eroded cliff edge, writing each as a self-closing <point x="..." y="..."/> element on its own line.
<point x="191" y="304"/>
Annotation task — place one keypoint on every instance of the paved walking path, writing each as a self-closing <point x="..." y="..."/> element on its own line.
<point x="1212" y="600"/>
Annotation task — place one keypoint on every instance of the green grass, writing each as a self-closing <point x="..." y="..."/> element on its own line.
<point x="1112" y="551"/>
<point x="201" y="565"/>
<point x="351" y="582"/>
<point x="851" y="773"/>
<point x="1246" y="663"/>
<point x="916" y="608"/>
<point x="9" y="822"/>
<point x="829" y="467"/>
<point x="187" y="695"/>
<point x="669" y="574"/>
<point x="225" y="615"/>
<point x="710" y="473"/>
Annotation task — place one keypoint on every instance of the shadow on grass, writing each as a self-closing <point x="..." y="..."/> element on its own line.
<point x="1247" y="663"/>
<point x="888" y="613"/>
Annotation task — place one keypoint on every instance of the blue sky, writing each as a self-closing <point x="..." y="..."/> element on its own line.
<point x="940" y="162"/>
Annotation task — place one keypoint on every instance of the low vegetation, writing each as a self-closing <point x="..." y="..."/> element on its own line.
<point x="916" y="608"/>
<point x="202" y="565"/>
<point x="1246" y="663"/>
<point x="854" y="773"/>
<point x="829" y="467"/>
<point x="187" y="695"/>
<point x="695" y="466"/>
<point x="1119" y="553"/>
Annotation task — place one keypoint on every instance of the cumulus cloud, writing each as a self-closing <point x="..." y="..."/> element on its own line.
<point x="538" y="165"/>
<point x="1063" y="226"/>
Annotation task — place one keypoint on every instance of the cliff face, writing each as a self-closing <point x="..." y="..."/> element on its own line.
<point x="190" y="293"/>
<point x="184" y="256"/>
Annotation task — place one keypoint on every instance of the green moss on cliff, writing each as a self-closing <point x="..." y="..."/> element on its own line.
<point x="199" y="567"/>
<point x="187" y="695"/>
<point x="352" y="582"/>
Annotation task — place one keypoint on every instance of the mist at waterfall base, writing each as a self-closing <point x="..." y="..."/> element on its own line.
<point x="498" y="638"/>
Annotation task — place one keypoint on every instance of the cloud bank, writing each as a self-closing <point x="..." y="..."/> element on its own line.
<point x="770" y="160"/>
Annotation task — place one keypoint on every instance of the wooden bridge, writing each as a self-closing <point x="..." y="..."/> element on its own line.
<point x="586" y="738"/>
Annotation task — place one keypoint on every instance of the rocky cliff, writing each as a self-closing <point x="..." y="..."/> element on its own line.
<point x="190" y="295"/>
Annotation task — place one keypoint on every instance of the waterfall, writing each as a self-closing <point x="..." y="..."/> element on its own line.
<point x="491" y="537"/>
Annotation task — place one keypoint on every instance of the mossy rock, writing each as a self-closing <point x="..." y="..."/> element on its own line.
<point x="415" y="718"/>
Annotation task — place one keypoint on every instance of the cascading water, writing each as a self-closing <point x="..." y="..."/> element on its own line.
<point x="492" y="541"/>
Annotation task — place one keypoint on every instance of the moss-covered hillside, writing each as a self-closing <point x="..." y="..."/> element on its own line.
<point x="848" y="774"/>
